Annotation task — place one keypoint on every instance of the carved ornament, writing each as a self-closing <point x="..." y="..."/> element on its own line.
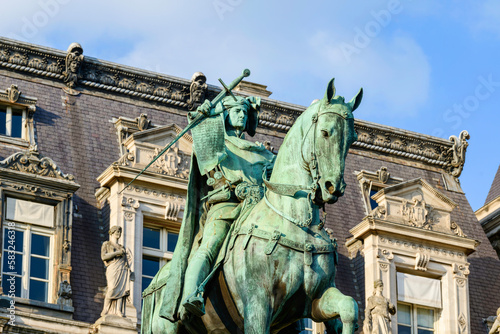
<point x="125" y="159"/>
<point x="458" y="151"/>
<point x="64" y="294"/>
<point x="421" y="261"/>
<point x="383" y="175"/>
<point x="173" y="206"/>
<point x="171" y="163"/>
<point x="416" y="213"/>
<point x="31" y="162"/>
<point x="130" y="204"/>
<point x="13" y="93"/>
<point x="197" y="90"/>
<point x="73" y="62"/>
<point x="462" y="322"/>
<point x="421" y="248"/>
<point x="143" y="122"/>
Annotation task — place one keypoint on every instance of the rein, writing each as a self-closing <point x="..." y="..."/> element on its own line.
<point x="291" y="190"/>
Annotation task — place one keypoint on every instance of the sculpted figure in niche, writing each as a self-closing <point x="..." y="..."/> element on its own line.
<point x="114" y="256"/>
<point x="495" y="329"/>
<point x="378" y="312"/>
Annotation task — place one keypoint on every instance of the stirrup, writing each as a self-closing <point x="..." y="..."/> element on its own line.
<point x="195" y="305"/>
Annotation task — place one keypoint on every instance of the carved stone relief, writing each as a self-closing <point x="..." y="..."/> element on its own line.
<point x="383" y="174"/>
<point x="13" y="93"/>
<point x="458" y="153"/>
<point x="171" y="163"/>
<point x="173" y="206"/>
<point x="416" y="213"/>
<point x="462" y="322"/>
<point x="74" y="60"/>
<point x="197" y="90"/>
<point x="31" y="162"/>
<point x="65" y="294"/>
<point x="143" y="122"/>
<point x="422" y="260"/>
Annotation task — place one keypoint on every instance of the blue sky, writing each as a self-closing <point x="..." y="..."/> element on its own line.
<point x="425" y="66"/>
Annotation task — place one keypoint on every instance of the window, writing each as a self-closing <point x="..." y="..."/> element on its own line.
<point x="414" y="319"/>
<point x="419" y="301"/>
<point x="12" y="122"/>
<point x="26" y="250"/>
<point x="158" y="247"/>
<point x="306" y="326"/>
<point x="373" y="203"/>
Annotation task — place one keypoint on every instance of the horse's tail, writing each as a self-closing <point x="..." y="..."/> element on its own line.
<point x="150" y="299"/>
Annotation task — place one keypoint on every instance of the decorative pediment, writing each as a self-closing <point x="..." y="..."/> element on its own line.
<point x="144" y="146"/>
<point x="33" y="163"/>
<point x="416" y="203"/>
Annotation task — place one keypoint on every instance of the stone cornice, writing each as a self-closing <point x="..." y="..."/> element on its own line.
<point x="370" y="225"/>
<point x="100" y="75"/>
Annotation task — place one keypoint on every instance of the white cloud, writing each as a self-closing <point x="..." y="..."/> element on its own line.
<point x="394" y="71"/>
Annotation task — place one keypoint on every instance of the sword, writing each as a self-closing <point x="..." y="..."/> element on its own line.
<point x="226" y="90"/>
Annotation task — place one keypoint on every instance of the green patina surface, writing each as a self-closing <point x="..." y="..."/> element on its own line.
<point x="252" y="254"/>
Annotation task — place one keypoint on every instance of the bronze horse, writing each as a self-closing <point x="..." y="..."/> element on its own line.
<point x="279" y="264"/>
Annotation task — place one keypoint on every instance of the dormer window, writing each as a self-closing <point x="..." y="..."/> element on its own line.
<point x="13" y="122"/>
<point x="16" y="118"/>
<point x="371" y="183"/>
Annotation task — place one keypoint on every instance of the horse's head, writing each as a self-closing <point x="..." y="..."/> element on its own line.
<point x="333" y="125"/>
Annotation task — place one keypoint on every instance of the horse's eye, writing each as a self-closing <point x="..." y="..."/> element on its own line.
<point x="324" y="133"/>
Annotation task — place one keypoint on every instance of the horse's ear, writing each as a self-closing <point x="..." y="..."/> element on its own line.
<point x="355" y="102"/>
<point x="330" y="91"/>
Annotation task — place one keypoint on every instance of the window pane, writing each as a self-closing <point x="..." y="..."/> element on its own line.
<point x="172" y="241"/>
<point x="145" y="282"/>
<point x="13" y="239"/>
<point x="11" y="285"/>
<point x="150" y="266"/>
<point x="3" y="120"/>
<point x="151" y="237"/>
<point x="404" y="329"/>
<point x="373" y="203"/>
<point x="39" y="268"/>
<point x="17" y="123"/>
<point x="12" y="263"/>
<point x="404" y="315"/>
<point x="40" y="245"/>
<point x="425" y="331"/>
<point x="425" y="318"/>
<point x="38" y="290"/>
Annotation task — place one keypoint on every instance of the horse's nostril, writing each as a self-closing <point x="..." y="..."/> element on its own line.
<point x="330" y="187"/>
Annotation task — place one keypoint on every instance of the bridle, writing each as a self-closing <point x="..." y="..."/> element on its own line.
<point x="311" y="166"/>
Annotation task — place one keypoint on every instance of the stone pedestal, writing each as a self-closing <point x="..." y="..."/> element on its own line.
<point x="112" y="324"/>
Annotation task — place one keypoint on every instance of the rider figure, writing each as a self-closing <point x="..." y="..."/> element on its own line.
<point x="239" y="162"/>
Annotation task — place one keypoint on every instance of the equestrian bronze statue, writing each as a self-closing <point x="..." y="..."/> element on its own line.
<point x="253" y="256"/>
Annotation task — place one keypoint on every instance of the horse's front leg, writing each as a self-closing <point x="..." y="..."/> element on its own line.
<point x="332" y="304"/>
<point x="258" y="312"/>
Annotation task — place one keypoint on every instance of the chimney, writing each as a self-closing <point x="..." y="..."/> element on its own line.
<point x="253" y="89"/>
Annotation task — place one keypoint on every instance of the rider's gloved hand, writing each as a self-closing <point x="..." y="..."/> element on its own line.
<point x="205" y="108"/>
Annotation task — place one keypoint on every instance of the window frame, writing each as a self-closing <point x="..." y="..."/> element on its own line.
<point x="161" y="253"/>
<point x="28" y="231"/>
<point x="414" y="320"/>
<point x="8" y="121"/>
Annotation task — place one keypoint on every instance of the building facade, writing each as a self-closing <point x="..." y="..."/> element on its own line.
<point x="74" y="130"/>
